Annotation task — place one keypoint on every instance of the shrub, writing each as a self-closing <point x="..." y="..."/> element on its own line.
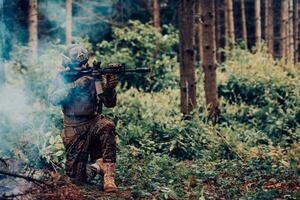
<point x="141" y="45"/>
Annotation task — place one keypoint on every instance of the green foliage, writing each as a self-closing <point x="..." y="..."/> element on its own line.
<point x="152" y="123"/>
<point x="253" y="153"/>
<point x="263" y="94"/>
<point x="141" y="45"/>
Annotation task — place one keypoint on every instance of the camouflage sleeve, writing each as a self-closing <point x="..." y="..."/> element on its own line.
<point x="60" y="93"/>
<point x="109" y="97"/>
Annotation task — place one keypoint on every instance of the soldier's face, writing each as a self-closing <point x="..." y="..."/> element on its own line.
<point x="82" y="67"/>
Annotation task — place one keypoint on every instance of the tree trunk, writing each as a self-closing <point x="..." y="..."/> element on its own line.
<point x="2" y="43"/>
<point x="209" y="59"/>
<point x="257" y="23"/>
<point x="187" y="56"/>
<point x="290" y="24"/>
<point x="283" y="29"/>
<point x="33" y="30"/>
<point x="198" y="29"/>
<point x="156" y="14"/>
<point x="269" y="25"/>
<point x="217" y="29"/>
<point x="296" y="35"/>
<point x="244" y="25"/>
<point x="230" y="24"/>
<point x="68" y="22"/>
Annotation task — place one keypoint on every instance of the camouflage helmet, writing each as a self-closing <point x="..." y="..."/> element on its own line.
<point x="75" y="56"/>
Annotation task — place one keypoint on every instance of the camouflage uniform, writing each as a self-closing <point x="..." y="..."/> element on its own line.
<point x="87" y="133"/>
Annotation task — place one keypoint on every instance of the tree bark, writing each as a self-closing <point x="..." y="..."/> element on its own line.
<point x="33" y="30"/>
<point x="217" y="29"/>
<point x="257" y="23"/>
<point x="198" y="29"/>
<point x="156" y="14"/>
<point x="187" y="56"/>
<point x="244" y="25"/>
<point x="269" y="25"/>
<point x="209" y="59"/>
<point x="68" y="22"/>
<point x="283" y="29"/>
<point x="230" y="24"/>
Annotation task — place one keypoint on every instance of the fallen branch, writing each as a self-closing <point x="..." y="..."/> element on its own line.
<point x="27" y="178"/>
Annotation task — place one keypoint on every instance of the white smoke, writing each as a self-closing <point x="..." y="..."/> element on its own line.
<point x="13" y="104"/>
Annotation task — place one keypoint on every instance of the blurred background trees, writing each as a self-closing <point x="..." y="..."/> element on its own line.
<point x="246" y="21"/>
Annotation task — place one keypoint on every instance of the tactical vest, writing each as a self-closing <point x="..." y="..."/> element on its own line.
<point x="82" y="101"/>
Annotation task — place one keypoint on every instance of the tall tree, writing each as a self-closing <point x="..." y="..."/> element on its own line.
<point x="297" y="34"/>
<point x="156" y="14"/>
<point x="244" y="25"/>
<point x="198" y="29"/>
<point x="269" y="25"/>
<point x="209" y="58"/>
<point x="257" y="23"/>
<point x="187" y="56"/>
<point x="218" y="27"/>
<point x="68" y="22"/>
<point x="33" y="30"/>
<point x="2" y="42"/>
<point x="291" y="49"/>
<point x="284" y="28"/>
<point x="230" y="23"/>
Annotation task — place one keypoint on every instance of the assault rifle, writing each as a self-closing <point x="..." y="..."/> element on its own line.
<point x="97" y="72"/>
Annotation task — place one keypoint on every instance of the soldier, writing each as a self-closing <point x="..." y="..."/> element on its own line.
<point x="87" y="134"/>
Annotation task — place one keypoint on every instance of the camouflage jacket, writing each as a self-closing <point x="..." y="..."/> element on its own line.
<point x="81" y="103"/>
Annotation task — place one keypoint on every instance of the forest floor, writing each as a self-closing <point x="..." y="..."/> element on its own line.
<point x="94" y="192"/>
<point x="61" y="190"/>
<point x="59" y="187"/>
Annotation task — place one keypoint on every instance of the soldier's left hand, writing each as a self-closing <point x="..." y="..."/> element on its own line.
<point x="111" y="79"/>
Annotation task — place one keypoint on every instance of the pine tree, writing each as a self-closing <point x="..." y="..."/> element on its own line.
<point x="283" y="29"/>
<point x="269" y="26"/>
<point x="229" y="24"/>
<point x="187" y="56"/>
<point x="156" y="14"/>
<point x="68" y="22"/>
<point x="218" y="32"/>
<point x="198" y="29"/>
<point x="209" y="58"/>
<point x="257" y="23"/>
<point x="33" y="30"/>
<point x="290" y="42"/>
<point x="2" y="40"/>
<point x="296" y="31"/>
<point x="244" y="25"/>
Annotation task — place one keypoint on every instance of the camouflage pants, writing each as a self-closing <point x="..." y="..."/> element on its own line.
<point x="96" y="139"/>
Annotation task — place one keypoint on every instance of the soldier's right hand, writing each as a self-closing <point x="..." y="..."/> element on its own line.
<point x="81" y="81"/>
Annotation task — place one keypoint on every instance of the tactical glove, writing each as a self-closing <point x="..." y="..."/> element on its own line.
<point x="111" y="79"/>
<point x="81" y="81"/>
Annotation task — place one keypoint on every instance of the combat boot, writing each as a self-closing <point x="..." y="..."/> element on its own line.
<point x="94" y="169"/>
<point x="109" y="177"/>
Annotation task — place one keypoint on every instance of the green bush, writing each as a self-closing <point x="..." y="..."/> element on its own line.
<point x="265" y="94"/>
<point x="141" y="45"/>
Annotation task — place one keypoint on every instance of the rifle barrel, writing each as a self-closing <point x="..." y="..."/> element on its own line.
<point x="138" y="70"/>
<point x="122" y="70"/>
